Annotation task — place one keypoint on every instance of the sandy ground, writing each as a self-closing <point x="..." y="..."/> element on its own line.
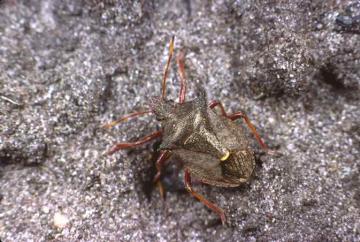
<point x="66" y="67"/>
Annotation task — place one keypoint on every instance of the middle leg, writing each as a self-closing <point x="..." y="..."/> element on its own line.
<point x="238" y="115"/>
<point x="127" y="145"/>
<point x="242" y="115"/>
<point x="164" y="155"/>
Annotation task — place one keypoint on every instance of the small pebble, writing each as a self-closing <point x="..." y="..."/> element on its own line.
<point x="60" y="220"/>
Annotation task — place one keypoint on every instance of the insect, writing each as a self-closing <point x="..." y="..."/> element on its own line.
<point x="213" y="148"/>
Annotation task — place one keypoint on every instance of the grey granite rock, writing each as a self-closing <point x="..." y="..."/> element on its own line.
<point x="66" y="67"/>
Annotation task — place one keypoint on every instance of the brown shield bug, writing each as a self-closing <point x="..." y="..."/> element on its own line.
<point x="213" y="148"/>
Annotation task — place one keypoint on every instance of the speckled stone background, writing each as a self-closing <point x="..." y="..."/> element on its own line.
<point x="66" y="67"/>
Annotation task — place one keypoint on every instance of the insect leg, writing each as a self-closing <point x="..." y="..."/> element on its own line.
<point x="238" y="115"/>
<point x="126" y="118"/>
<point x="180" y="59"/>
<point x="207" y="203"/>
<point x="164" y="155"/>
<point x="166" y="70"/>
<point x="121" y="146"/>
<point x="215" y="103"/>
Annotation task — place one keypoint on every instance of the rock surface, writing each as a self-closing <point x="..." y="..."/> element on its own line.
<point x="66" y="67"/>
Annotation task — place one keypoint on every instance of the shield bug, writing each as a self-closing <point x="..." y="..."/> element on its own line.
<point x="212" y="147"/>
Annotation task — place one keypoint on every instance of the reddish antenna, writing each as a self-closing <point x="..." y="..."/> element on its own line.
<point x="181" y="69"/>
<point x="166" y="70"/>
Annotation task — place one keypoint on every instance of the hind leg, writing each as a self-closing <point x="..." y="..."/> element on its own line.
<point x="207" y="203"/>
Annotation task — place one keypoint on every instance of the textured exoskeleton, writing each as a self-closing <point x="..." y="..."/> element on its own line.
<point x="212" y="147"/>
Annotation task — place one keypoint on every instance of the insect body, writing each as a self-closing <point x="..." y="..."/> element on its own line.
<point x="213" y="148"/>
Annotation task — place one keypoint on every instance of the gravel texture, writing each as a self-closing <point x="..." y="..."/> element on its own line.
<point x="67" y="67"/>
